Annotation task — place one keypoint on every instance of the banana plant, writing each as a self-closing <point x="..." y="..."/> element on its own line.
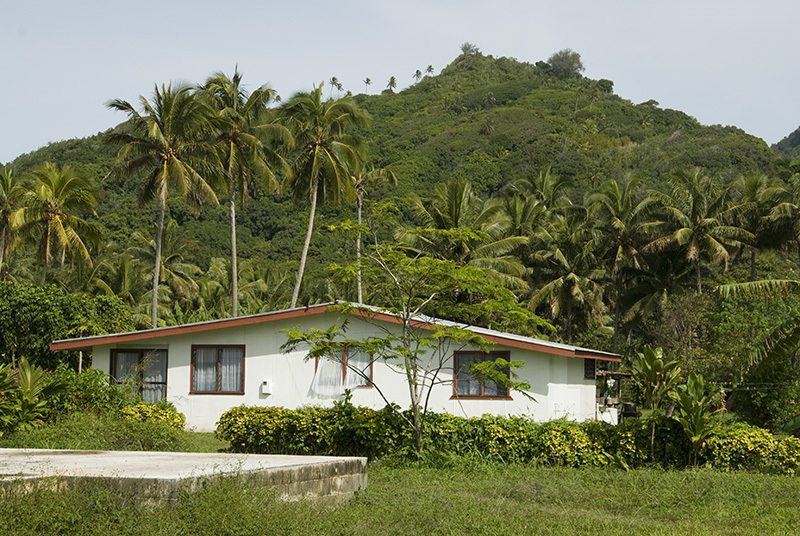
<point x="695" y="409"/>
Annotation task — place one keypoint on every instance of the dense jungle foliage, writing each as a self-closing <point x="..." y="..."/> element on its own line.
<point x="613" y="220"/>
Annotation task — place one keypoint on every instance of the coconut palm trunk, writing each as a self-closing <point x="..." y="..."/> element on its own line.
<point x="162" y="209"/>
<point x="359" y="204"/>
<point x="234" y="256"/>
<point x="306" y="244"/>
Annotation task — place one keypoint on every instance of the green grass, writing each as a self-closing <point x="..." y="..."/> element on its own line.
<point x="461" y="498"/>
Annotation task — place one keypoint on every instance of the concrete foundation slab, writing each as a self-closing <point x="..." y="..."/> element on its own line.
<point x="164" y="475"/>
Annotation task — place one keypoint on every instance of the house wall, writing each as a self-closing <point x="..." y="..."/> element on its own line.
<point x="557" y="383"/>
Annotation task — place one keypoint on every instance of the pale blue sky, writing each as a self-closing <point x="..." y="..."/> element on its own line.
<point x="730" y="62"/>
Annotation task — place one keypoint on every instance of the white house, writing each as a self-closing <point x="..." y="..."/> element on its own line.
<point x="208" y="367"/>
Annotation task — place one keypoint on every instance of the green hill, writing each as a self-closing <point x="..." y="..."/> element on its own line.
<point x="489" y="120"/>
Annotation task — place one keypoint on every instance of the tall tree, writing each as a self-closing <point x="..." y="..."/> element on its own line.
<point x="429" y="70"/>
<point x="10" y="192"/>
<point x="456" y="225"/>
<point x="621" y="212"/>
<point x="246" y="161"/>
<point x="566" y="64"/>
<point x="365" y="178"/>
<point x="565" y="262"/>
<point x="417" y="75"/>
<point x="328" y="150"/>
<point x="757" y="195"/>
<point x="392" y="83"/>
<point x="51" y="214"/>
<point x="367" y="83"/>
<point x="695" y="213"/>
<point x="171" y="142"/>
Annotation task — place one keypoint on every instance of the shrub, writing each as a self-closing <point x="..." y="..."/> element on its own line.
<point x="90" y="431"/>
<point x="162" y="412"/>
<point x="786" y="457"/>
<point x="89" y="390"/>
<point x="740" y="446"/>
<point x="563" y="442"/>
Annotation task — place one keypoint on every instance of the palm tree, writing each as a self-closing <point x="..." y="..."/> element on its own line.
<point x="620" y="212"/>
<point x="695" y="213"/>
<point x="457" y="225"/>
<point x="335" y="84"/>
<point x="327" y="153"/>
<point x="417" y="75"/>
<point x="178" y="275"/>
<point x="51" y="214"/>
<point x="10" y="192"/>
<point x="547" y="187"/>
<point x="392" y="83"/>
<point x="757" y="194"/>
<point x="367" y="83"/>
<point x="786" y="213"/>
<point x="170" y="141"/>
<point x="565" y="262"/>
<point x="429" y="70"/>
<point x="245" y="159"/>
<point x="367" y="177"/>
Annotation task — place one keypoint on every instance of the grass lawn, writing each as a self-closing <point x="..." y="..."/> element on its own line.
<point x="461" y="498"/>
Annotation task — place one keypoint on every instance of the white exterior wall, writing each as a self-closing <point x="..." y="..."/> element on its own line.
<point x="557" y="382"/>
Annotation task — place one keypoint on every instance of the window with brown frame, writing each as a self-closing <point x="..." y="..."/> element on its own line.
<point x="147" y="368"/>
<point x="218" y="369"/>
<point x="466" y="386"/>
<point x="332" y="377"/>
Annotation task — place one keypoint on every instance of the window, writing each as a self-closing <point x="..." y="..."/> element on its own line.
<point x="148" y="368"/>
<point x="468" y="387"/>
<point x="589" y="369"/>
<point x="218" y="369"/>
<point x="332" y="377"/>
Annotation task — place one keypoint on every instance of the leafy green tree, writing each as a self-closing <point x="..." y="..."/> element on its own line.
<point x="51" y="212"/>
<point x="656" y="375"/>
<point x="413" y="288"/>
<point x="696" y="215"/>
<point x="10" y="198"/>
<point x="246" y="161"/>
<point x="170" y="142"/>
<point x="566" y="64"/>
<point x="33" y="316"/>
<point x="329" y="150"/>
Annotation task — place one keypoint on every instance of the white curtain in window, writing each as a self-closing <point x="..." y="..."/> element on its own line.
<point x="466" y="385"/>
<point x="205" y="369"/>
<point x="231" y="367"/>
<point x="154" y="376"/>
<point x="327" y="380"/>
<point x="126" y="363"/>
<point x="359" y="360"/>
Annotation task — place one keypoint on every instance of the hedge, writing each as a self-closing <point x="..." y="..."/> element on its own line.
<point x="347" y="430"/>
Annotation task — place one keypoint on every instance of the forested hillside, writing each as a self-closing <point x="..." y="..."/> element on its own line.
<point x="614" y="221"/>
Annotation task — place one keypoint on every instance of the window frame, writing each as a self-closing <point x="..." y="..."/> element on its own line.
<point x="219" y="348"/>
<point x="143" y="352"/>
<point x="369" y="383"/>
<point x="494" y="355"/>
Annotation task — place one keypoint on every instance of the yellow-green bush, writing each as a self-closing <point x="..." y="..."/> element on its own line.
<point x="145" y="412"/>
<point x="740" y="446"/>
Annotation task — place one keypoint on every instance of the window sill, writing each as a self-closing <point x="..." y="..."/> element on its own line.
<point x="456" y="397"/>
<point x="216" y="392"/>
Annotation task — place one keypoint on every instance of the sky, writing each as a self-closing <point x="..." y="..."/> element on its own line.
<point x="728" y="62"/>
